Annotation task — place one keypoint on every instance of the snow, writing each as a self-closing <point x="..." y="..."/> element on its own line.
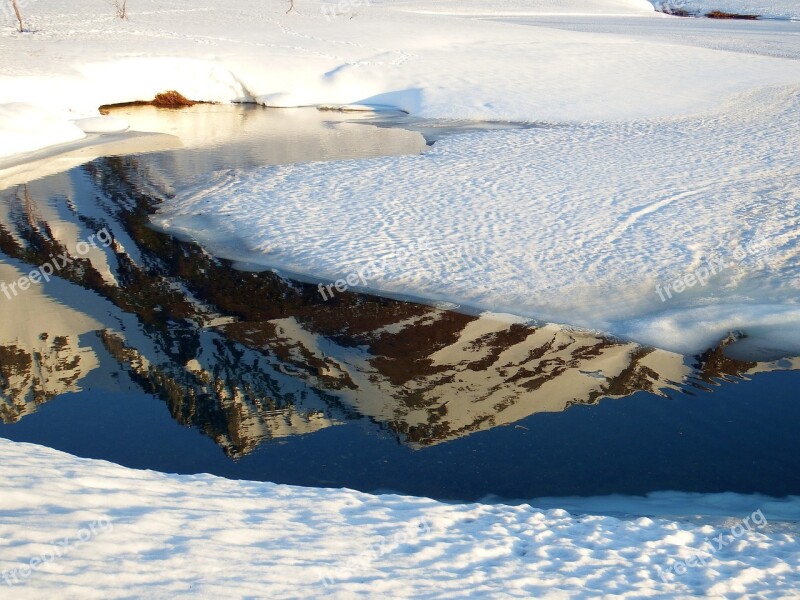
<point x="697" y="146"/>
<point x="596" y="8"/>
<point x="770" y="9"/>
<point x="92" y="529"/>
<point x="532" y="223"/>
<point x="662" y="144"/>
<point x="395" y="53"/>
<point x="102" y="125"/>
<point x="27" y="127"/>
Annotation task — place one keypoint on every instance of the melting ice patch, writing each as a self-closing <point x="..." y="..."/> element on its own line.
<point x="668" y="232"/>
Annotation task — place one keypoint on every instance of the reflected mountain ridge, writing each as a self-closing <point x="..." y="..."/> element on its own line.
<point x="250" y="357"/>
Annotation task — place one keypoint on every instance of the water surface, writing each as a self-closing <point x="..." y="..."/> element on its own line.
<point x="151" y="353"/>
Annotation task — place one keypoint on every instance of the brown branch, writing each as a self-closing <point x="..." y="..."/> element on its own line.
<point x="19" y="15"/>
<point x="121" y="8"/>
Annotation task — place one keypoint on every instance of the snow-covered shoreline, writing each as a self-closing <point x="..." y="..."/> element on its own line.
<point x="633" y="94"/>
<point x="80" y="528"/>
<point x="764" y="9"/>
<point x="677" y="142"/>
<point x="440" y="64"/>
<point x="501" y="221"/>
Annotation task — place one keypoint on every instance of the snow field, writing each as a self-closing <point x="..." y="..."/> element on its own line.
<point x="164" y="536"/>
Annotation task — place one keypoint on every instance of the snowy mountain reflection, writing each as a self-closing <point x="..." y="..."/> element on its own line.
<point x="250" y="357"/>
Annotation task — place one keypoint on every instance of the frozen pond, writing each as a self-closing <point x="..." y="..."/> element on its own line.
<point x="145" y="350"/>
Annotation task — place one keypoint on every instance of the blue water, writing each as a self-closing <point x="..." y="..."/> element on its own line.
<point x="739" y="434"/>
<point x="741" y="437"/>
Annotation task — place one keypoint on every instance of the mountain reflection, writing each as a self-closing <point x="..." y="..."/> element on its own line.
<point x="251" y="357"/>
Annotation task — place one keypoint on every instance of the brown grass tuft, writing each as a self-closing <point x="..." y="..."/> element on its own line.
<point x="171" y="99"/>
<point x="718" y="14"/>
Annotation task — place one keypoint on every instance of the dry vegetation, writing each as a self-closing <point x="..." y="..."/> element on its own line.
<point x="718" y="14"/>
<point x="169" y="99"/>
<point x="120" y="7"/>
<point x="19" y="15"/>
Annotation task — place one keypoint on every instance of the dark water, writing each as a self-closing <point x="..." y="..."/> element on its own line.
<point x="152" y="354"/>
<point x="736" y="438"/>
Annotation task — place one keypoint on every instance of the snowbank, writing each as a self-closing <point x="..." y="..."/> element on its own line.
<point x="770" y="9"/>
<point x="569" y="217"/>
<point x="76" y="528"/>
<point x="507" y="8"/>
<point x="671" y="233"/>
<point x="25" y="128"/>
<point x="577" y="223"/>
<point x="394" y="53"/>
